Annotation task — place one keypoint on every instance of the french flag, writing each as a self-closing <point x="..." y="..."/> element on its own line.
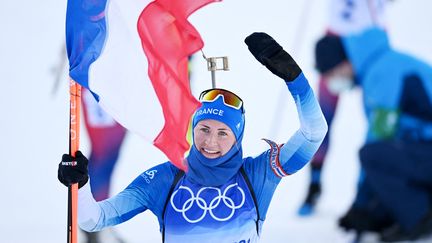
<point x="132" y="55"/>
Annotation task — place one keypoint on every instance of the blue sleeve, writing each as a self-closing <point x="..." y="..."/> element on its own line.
<point x="266" y="170"/>
<point x="306" y="140"/>
<point x="147" y="191"/>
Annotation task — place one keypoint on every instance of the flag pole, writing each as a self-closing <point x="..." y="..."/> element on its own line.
<point x="74" y="132"/>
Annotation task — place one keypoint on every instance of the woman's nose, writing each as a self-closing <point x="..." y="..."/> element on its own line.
<point x="211" y="139"/>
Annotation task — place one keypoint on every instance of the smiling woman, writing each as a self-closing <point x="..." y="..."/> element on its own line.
<point x="216" y="132"/>
<point x="216" y="153"/>
<point x="221" y="196"/>
<point x="213" y="138"/>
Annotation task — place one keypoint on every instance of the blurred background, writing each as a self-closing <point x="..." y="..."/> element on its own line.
<point x="35" y="113"/>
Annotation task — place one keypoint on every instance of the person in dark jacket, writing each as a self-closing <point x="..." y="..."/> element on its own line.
<point x="396" y="180"/>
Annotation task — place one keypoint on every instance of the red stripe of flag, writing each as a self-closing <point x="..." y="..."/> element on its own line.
<point x="168" y="39"/>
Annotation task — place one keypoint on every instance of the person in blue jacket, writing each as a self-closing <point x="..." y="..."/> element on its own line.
<point x="345" y="17"/>
<point x="396" y="183"/>
<point x="221" y="197"/>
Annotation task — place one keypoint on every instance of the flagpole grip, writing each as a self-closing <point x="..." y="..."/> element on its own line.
<point x="74" y="136"/>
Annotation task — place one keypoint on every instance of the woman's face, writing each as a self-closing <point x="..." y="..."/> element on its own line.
<point x="213" y="138"/>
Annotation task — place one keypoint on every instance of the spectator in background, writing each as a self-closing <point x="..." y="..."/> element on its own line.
<point x="345" y="17"/>
<point x="397" y="155"/>
<point x="106" y="137"/>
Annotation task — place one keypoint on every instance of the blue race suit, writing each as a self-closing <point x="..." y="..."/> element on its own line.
<point x="226" y="213"/>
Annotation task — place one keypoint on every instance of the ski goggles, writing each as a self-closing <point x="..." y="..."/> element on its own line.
<point x="229" y="98"/>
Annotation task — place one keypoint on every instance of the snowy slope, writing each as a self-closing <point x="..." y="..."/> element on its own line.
<point x="34" y="121"/>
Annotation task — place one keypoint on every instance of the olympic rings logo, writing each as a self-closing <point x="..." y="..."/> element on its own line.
<point x="202" y="204"/>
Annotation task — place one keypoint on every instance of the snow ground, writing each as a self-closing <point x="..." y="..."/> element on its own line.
<point x="34" y="121"/>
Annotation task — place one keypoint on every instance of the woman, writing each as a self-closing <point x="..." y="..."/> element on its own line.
<point x="222" y="196"/>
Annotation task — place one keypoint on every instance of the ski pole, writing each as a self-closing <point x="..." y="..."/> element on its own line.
<point x="74" y="132"/>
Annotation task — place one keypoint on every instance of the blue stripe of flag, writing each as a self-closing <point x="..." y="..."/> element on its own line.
<point x="85" y="36"/>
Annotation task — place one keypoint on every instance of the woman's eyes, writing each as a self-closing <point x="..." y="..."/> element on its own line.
<point x="206" y="130"/>
<point x="222" y="133"/>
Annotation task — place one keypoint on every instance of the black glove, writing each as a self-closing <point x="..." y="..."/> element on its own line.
<point x="73" y="170"/>
<point x="269" y="53"/>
